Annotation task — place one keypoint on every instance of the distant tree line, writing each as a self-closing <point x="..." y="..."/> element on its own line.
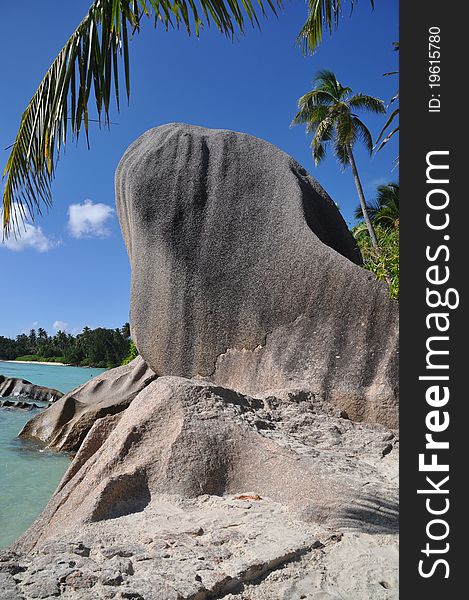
<point x="105" y="348"/>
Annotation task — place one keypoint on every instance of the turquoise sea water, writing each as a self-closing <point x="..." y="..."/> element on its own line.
<point x="29" y="476"/>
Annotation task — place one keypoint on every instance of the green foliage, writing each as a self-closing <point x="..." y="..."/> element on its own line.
<point x="384" y="210"/>
<point x="322" y="14"/>
<point x="37" y="358"/>
<point x="99" y="347"/>
<point x="329" y="113"/>
<point x="133" y="353"/>
<point x="384" y="263"/>
<point x="87" y="70"/>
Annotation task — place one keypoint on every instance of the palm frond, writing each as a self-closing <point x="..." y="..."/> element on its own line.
<point x="324" y="133"/>
<point x="322" y="15"/>
<point x="387" y="138"/>
<point x="89" y="64"/>
<point x="326" y="81"/>
<point x="364" y="102"/>
<point x="384" y="209"/>
<point x="363" y="133"/>
<point x="340" y="151"/>
<point x="346" y="134"/>
<point x="310" y="115"/>
<point x="391" y="118"/>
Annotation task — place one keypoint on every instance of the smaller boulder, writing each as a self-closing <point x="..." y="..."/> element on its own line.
<point x="64" y="425"/>
<point x="11" y="386"/>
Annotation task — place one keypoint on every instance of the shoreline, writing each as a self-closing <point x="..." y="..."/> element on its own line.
<point x="37" y="362"/>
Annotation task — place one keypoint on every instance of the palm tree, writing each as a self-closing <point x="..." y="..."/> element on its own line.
<point x="89" y="62"/>
<point x="384" y="210"/>
<point x="327" y="112"/>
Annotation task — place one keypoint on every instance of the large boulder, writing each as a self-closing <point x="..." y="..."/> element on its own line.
<point x="64" y="425"/>
<point x="12" y="386"/>
<point x="244" y="273"/>
<point x="196" y="491"/>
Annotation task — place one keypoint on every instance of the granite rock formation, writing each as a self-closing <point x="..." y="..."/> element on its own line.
<point x="18" y="404"/>
<point x="196" y="491"/>
<point x="64" y="425"/>
<point x="245" y="274"/>
<point x="11" y="386"/>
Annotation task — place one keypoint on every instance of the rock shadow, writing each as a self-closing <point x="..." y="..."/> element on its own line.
<point x="371" y="514"/>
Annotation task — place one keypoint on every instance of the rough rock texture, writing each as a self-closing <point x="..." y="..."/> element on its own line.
<point x="10" y="386"/>
<point x="18" y="404"/>
<point x="244" y="273"/>
<point x="198" y="492"/>
<point x="64" y="425"/>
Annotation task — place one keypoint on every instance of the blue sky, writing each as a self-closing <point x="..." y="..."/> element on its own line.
<point x="71" y="269"/>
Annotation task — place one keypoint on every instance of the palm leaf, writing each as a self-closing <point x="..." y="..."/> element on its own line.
<point x="324" y="133"/>
<point x="363" y="133"/>
<point x="322" y="14"/>
<point x="364" y="102"/>
<point x="387" y="138"/>
<point x="384" y="209"/>
<point x="391" y="118"/>
<point x="89" y="63"/>
<point x="340" y="151"/>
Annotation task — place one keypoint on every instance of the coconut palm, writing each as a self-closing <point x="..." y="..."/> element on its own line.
<point x="384" y="210"/>
<point x="328" y="111"/>
<point x="88" y="65"/>
<point x="89" y="62"/>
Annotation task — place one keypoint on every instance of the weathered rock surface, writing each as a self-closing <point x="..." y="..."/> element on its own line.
<point x="18" y="404"/>
<point x="197" y="492"/>
<point x="11" y="386"/>
<point x="64" y="425"/>
<point x="244" y="273"/>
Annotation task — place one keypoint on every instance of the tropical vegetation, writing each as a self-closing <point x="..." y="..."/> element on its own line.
<point x="384" y="209"/>
<point x="384" y="213"/>
<point x="100" y="347"/>
<point x="88" y="67"/>
<point x="329" y="113"/>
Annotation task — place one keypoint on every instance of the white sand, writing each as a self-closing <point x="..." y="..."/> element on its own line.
<point x="36" y="362"/>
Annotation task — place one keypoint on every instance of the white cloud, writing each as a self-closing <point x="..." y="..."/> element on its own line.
<point x="59" y="325"/>
<point x="30" y="236"/>
<point x="372" y="184"/>
<point x="63" y="326"/>
<point x="89" y="219"/>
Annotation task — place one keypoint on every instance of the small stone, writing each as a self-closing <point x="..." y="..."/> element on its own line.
<point x="78" y="580"/>
<point x="386" y="450"/>
<point x="111" y="578"/>
<point x="80" y="549"/>
<point x="112" y="551"/>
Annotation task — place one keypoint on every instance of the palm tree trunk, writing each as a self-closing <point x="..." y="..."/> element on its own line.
<point x="361" y="196"/>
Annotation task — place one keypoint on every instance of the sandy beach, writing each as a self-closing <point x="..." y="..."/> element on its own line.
<point x="36" y="362"/>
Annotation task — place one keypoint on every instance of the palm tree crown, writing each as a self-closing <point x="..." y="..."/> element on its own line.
<point x="384" y="210"/>
<point x="328" y="113"/>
